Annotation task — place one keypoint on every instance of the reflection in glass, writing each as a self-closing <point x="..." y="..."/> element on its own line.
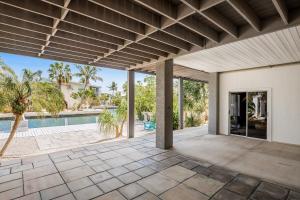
<point x="257" y="115"/>
<point x="237" y="113"/>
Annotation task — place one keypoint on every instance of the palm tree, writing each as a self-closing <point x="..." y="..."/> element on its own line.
<point x="113" y="87"/>
<point x="86" y="74"/>
<point x="112" y="123"/>
<point x="19" y="94"/>
<point x="28" y="75"/>
<point x="60" y="73"/>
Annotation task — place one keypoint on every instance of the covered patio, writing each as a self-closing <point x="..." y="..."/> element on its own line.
<point x="135" y="169"/>
<point x="242" y="49"/>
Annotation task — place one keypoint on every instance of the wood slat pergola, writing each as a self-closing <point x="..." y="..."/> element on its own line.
<point x="135" y="34"/>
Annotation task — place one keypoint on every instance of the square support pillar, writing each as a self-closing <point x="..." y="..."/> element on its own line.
<point x="180" y="102"/>
<point x="213" y="103"/>
<point x="164" y="105"/>
<point x="130" y="104"/>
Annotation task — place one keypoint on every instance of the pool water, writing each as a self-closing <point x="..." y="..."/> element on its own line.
<point x="49" y="122"/>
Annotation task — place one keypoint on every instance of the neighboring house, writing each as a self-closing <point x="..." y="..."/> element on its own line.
<point x="73" y="87"/>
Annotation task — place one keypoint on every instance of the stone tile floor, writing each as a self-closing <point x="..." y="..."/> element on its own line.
<point x="129" y="169"/>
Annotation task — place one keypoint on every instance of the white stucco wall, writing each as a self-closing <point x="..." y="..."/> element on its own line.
<point x="284" y="84"/>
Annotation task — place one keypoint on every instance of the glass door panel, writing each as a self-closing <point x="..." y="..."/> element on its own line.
<point x="237" y="113"/>
<point x="257" y="115"/>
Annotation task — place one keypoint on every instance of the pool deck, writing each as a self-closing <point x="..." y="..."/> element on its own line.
<point x="46" y="114"/>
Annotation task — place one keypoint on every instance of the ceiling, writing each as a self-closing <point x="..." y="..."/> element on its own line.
<point x="137" y="34"/>
<point x="266" y="50"/>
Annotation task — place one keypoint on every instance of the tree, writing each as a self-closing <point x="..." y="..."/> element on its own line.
<point x="113" y="87"/>
<point x="19" y="94"/>
<point x="195" y="102"/>
<point x="61" y="74"/>
<point x="28" y="75"/>
<point x="86" y="74"/>
<point x="113" y="123"/>
<point x="145" y="96"/>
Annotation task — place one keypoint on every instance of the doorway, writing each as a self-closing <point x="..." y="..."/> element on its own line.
<point x="248" y="114"/>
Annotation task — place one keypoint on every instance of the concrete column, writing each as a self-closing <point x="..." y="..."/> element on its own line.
<point x="213" y="103"/>
<point x="164" y="104"/>
<point x="180" y="102"/>
<point x="130" y="104"/>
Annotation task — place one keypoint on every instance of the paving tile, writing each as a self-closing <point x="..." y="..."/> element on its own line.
<point x="221" y="176"/>
<point x="147" y="196"/>
<point x="181" y="192"/>
<point x="33" y="196"/>
<point x="129" y="177"/>
<point x="294" y="195"/>
<point x="144" y="172"/>
<point x="133" y="166"/>
<point x="10" y="185"/>
<point x="79" y="184"/>
<point x="108" y="155"/>
<point x="99" y="177"/>
<point x="202" y="170"/>
<point x="77" y="155"/>
<point x="159" y="157"/>
<point x="10" y="162"/>
<point x="42" y="163"/>
<point x="110" y="185"/>
<point x="101" y="168"/>
<point x="89" y="158"/>
<point x="137" y="156"/>
<point x="178" y="173"/>
<point x="21" y="168"/>
<point x="243" y="185"/>
<point x="60" y="159"/>
<point x="54" y="192"/>
<point x="228" y="195"/>
<point x="65" y="165"/>
<point x="189" y="164"/>
<point x="204" y="184"/>
<point x="118" y="171"/>
<point x="77" y="173"/>
<point x="159" y="166"/>
<point x="119" y="161"/>
<point x="131" y="191"/>
<point x="269" y="191"/>
<point x="66" y="197"/>
<point x="88" y="193"/>
<point x="38" y="172"/>
<point x="94" y="162"/>
<point x="32" y="159"/>
<point x="12" y="194"/>
<point x="4" y="172"/>
<point x="10" y="177"/>
<point x="157" y="183"/>
<point x="147" y="161"/>
<point x="60" y="154"/>
<point x="115" y="195"/>
<point x="42" y="183"/>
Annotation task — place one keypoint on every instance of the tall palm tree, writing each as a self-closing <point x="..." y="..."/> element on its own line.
<point x="32" y="76"/>
<point x="113" y="87"/>
<point x="60" y="73"/>
<point x="17" y="94"/>
<point x="86" y="74"/>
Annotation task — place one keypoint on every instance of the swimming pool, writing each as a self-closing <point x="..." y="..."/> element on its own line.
<point x="5" y="125"/>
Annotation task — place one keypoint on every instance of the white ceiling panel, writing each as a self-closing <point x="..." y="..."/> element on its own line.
<point x="270" y="49"/>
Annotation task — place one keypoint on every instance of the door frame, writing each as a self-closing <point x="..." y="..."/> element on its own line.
<point x="269" y="110"/>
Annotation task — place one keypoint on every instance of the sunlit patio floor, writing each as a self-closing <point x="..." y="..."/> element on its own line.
<point x="135" y="169"/>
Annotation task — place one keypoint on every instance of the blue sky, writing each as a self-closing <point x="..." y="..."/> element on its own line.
<point x="18" y="63"/>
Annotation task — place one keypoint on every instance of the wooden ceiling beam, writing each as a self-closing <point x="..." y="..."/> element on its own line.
<point x="246" y="12"/>
<point x="158" y="45"/>
<point x="281" y="8"/>
<point x="147" y="49"/>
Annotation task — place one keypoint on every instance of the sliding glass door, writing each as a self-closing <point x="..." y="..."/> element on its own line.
<point x="248" y="114"/>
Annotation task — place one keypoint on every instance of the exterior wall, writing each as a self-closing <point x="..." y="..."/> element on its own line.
<point x="284" y="84"/>
<point x="67" y="90"/>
